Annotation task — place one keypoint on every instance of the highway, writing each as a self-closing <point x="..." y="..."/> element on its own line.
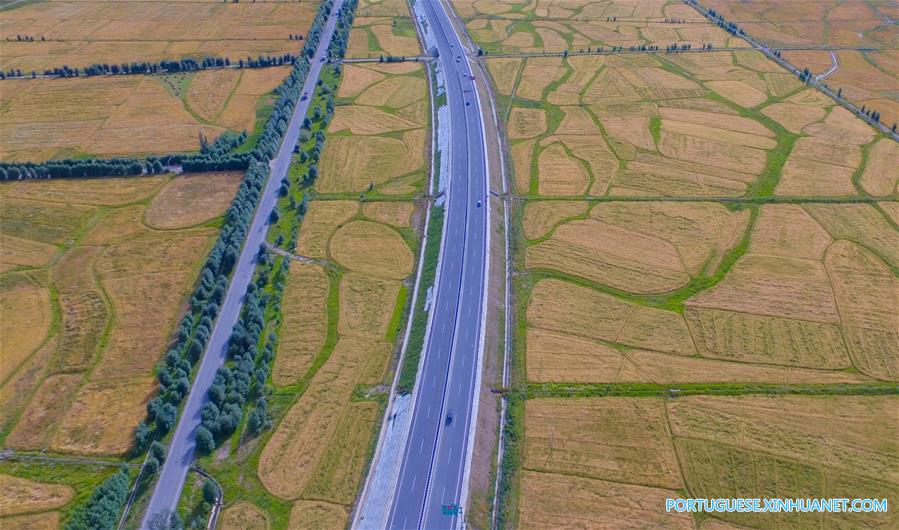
<point x="181" y="449"/>
<point x="433" y="469"/>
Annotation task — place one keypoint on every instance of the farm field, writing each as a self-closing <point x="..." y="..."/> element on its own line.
<point x="697" y="221"/>
<point x="38" y="496"/>
<point x="511" y="26"/>
<point x="83" y="261"/>
<point x="714" y="124"/>
<point x="866" y="77"/>
<point x="344" y="306"/>
<point x="605" y="462"/>
<point x="383" y="27"/>
<point x="130" y="115"/>
<point x="79" y="34"/>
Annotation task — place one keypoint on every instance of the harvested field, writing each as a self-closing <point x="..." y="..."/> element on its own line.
<point x="354" y="163"/>
<point x="16" y="252"/>
<point x="110" y="269"/>
<point x="867" y="297"/>
<point x="43" y="413"/>
<point x="371" y="248"/>
<point x="189" y="200"/>
<point x="305" y="322"/>
<point x="41" y="521"/>
<point x="504" y="73"/>
<point x="526" y="123"/>
<point x="299" y="443"/>
<point x="560" y="501"/>
<point x="79" y="34"/>
<point x="618" y="439"/>
<point x="209" y="92"/>
<point x="243" y="515"/>
<point x="27" y="315"/>
<point x="391" y="213"/>
<point x="566" y="308"/>
<point x="860" y="223"/>
<point x="377" y="140"/>
<point x="855" y="434"/>
<point x="542" y="216"/>
<point x="774" y="286"/>
<point x="339" y="473"/>
<point x="120" y="116"/>
<point x="880" y="176"/>
<point x="23" y="496"/>
<point x="366" y="305"/>
<point x="557" y="357"/>
<point x="356" y="78"/>
<point x="316" y="515"/>
<point x="560" y="174"/>
<point x="643" y="247"/>
<point x="375" y="35"/>
<point x="322" y="219"/>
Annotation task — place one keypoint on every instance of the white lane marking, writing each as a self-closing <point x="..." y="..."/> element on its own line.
<point x="421" y="445"/>
<point x="428" y="415"/>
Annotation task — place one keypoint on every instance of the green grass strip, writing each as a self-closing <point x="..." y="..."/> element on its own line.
<point x="409" y="369"/>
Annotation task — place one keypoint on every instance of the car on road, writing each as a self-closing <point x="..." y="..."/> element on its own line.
<point x="479" y="204"/>
<point x="449" y="417"/>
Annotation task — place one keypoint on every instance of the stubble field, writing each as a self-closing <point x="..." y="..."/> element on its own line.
<point x="866" y="77"/>
<point x="645" y="450"/>
<point x="699" y="220"/>
<point x="383" y="27"/>
<point x="513" y="26"/>
<point x="129" y="115"/>
<point x="79" y="34"/>
<point x="110" y="250"/>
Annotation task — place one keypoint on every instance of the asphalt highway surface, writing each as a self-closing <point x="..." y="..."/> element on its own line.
<point x="430" y="483"/>
<point x="181" y="449"/>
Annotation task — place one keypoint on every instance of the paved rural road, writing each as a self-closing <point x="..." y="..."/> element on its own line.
<point x="181" y="449"/>
<point x="434" y="459"/>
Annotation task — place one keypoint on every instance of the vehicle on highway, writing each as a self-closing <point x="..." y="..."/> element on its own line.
<point x="304" y="97"/>
<point x="479" y="204"/>
<point x="450" y="509"/>
<point x="449" y="417"/>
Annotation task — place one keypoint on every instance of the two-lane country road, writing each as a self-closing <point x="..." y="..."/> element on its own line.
<point x="435" y="458"/>
<point x="181" y="449"/>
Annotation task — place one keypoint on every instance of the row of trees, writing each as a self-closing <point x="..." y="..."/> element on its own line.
<point x="173" y="373"/>
<point x="76" y="168"/>
<point x="250" y="356"/>
<point x="102" y="509"/>
<point x="160" y="67"/>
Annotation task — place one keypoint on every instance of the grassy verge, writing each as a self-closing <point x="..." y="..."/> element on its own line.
<point x="409" y="369"/>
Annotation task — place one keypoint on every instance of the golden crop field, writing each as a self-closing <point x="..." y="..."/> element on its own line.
<point x="512" y="26"/>
<point x="383" y="27"/>
<point x="813" y="289"/>
<point x="129" y="115"/>
<point x="112" y="248"/>
<point x="866" y="77"/>
<point x="79" y="34"/>
<point x="344" y="302"/>
<point x="644" y="450"/>
<point x="701" y="221"/>
<point x="377" y="138"/>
